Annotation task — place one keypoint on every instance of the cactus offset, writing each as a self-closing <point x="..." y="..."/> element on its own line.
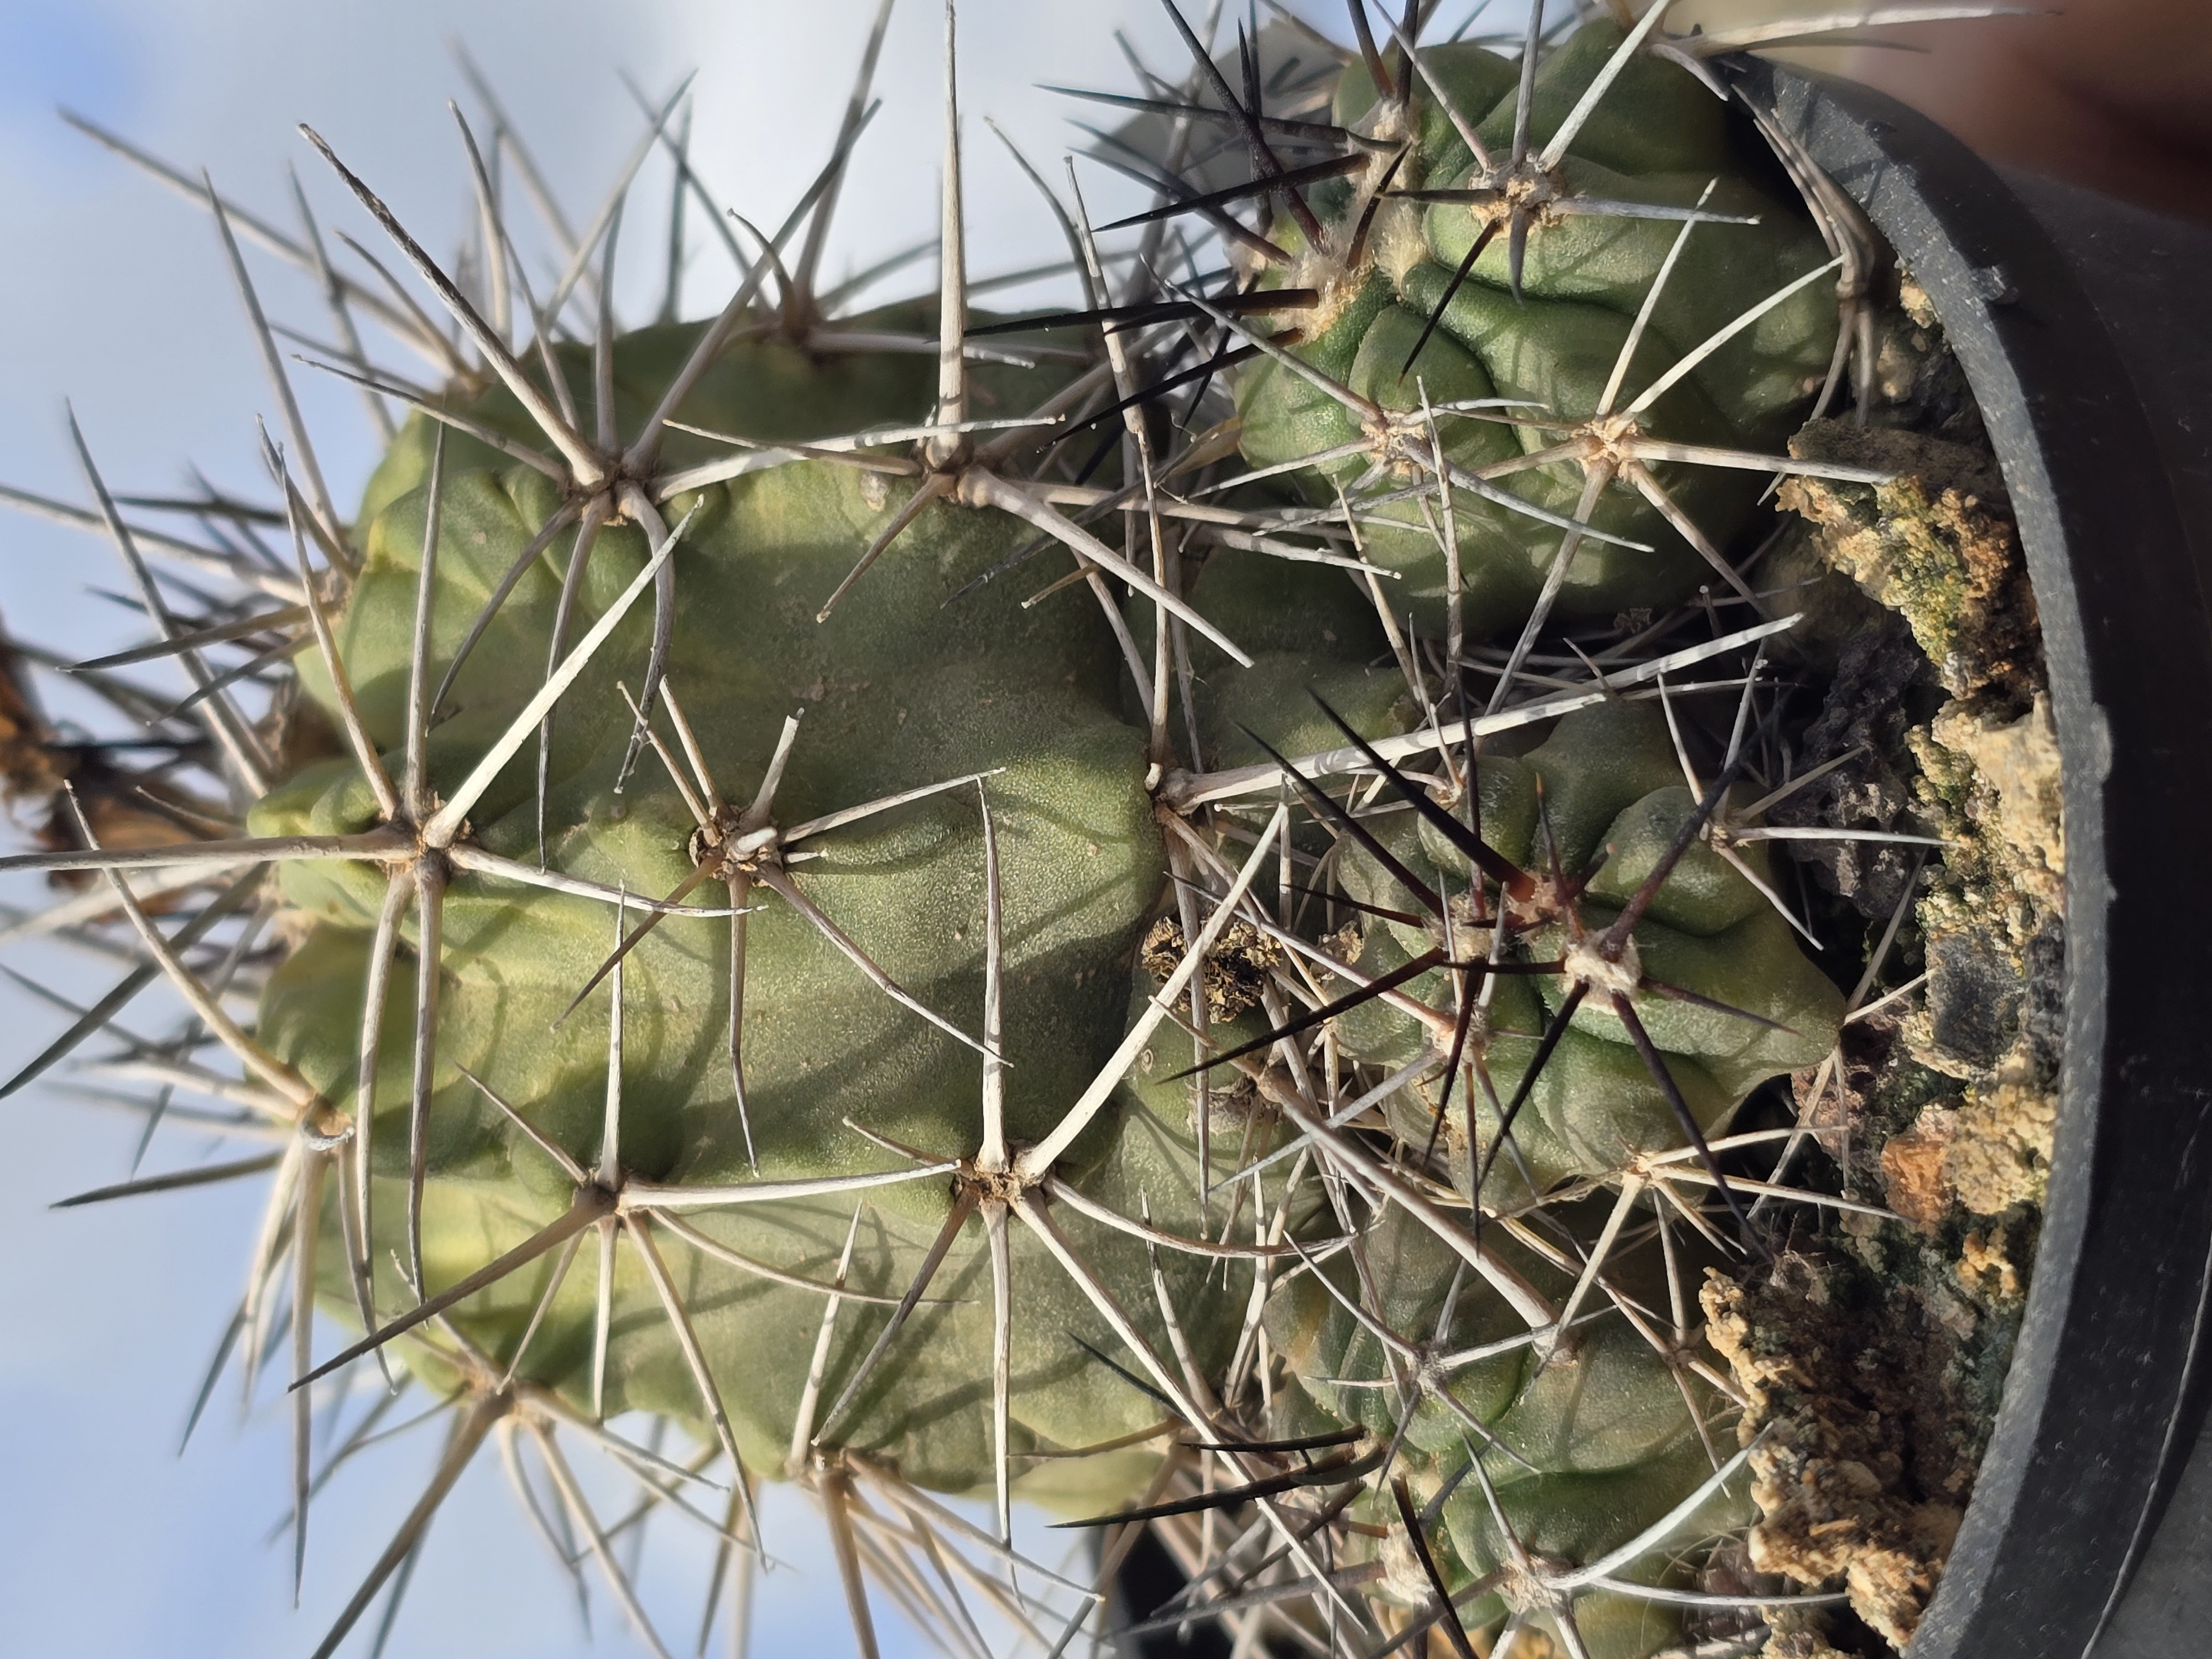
<point x="715" y="878"/>
<point x="1556" y="271"/>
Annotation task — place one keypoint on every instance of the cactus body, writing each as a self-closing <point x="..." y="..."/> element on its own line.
<point x="897" y="691"/>
<point x="1584" y="1448"/>
<point x="744" y="956"/>
<point x="1656" y="139"/>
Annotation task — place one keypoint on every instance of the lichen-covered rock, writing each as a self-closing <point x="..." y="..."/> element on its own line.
<point x="1936" y="544"/>
<point x="1858" y="1480"/>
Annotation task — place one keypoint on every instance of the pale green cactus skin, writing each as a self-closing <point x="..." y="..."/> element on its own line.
<point x="946" y="691"/>
<point x="897" y="691"/>
<point x="1658" y="136"/>
<point x="1611" y="785"/>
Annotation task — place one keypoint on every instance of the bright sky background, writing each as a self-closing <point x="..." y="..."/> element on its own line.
<point x="113" y="292"/>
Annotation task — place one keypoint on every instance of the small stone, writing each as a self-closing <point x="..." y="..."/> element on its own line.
<point x="1912" y="1170"/>
<point x="1986" y="1269"/>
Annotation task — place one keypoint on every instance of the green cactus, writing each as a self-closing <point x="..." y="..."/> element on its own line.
<point x="1532" y="277"/>
<point x="898" y="692"/>
<point x="1581" y="1448"/>
<point x="713" y="875"/>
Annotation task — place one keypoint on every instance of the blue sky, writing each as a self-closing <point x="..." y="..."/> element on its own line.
<point x="112" y="294"/>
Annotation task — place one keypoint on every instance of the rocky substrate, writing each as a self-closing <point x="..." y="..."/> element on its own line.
<point x="1872" y="1353"/>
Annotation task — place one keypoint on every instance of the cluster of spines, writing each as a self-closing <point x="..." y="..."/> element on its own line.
<point x="880" y="1525"/>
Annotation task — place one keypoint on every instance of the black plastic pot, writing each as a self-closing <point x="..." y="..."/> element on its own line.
<point x="2081" y="326"/>
<point x="2085" y="329"/>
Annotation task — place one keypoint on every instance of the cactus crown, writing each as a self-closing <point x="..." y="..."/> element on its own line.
<point x="1252" y="1020"/>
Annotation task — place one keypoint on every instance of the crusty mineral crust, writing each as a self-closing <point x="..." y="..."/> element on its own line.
<point x="1985" y="1156"/>
<point x="1874" y="1369"/>
<point x="1842" y="1477"/>
<point x="1936" y="545"/>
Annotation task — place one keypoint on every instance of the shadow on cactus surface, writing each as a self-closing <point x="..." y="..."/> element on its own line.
<point x="1279" y="913"/>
